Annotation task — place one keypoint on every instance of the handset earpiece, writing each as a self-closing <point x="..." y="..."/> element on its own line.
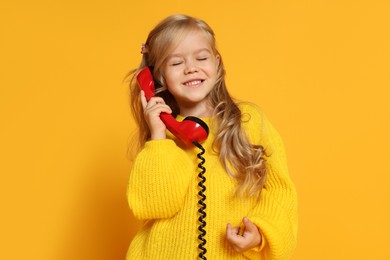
<point x="191" y="129"/>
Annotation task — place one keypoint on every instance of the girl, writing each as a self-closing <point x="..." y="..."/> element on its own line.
<point x="251" y="201"/>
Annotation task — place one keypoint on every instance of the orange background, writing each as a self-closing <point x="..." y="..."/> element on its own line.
<point x="319" y="69"/>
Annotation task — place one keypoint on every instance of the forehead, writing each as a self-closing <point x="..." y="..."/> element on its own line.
<point x="190" y="41"/>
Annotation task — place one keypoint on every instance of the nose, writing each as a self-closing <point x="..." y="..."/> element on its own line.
<point x="190" y="67"/>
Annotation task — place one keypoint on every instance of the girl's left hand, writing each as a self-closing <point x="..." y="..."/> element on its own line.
<point x="249" y="239"/>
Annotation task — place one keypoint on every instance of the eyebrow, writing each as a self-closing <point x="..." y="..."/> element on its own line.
<point x="196" y="52"/>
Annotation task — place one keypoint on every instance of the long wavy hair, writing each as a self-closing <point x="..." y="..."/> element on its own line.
<point x="242" y="160"/>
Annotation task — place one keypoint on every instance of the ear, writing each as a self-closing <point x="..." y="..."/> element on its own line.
<point x="159" y="78"/>
<point x="217" y="59"/>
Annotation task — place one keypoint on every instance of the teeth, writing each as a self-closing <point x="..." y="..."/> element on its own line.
<point x="193" y="83"/>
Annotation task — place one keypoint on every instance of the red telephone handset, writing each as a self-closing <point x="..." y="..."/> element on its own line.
<point x="190" y="130"/>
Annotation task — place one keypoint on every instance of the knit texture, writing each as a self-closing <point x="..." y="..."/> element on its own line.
<point x="163" y="191"/>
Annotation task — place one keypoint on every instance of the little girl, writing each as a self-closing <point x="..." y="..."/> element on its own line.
<point x="251" y="200"/>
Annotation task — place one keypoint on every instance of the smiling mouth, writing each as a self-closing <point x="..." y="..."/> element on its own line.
<point x="193" y="83"/>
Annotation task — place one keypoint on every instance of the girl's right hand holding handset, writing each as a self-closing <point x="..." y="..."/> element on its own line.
<point x="152" y="110"/>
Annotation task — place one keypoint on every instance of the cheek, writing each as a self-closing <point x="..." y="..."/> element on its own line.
<point x="213" y="67"/>
<point x="175" y="76"/>
<point x="166" y="75"/>
<point x="169" y="78"/>
<point x="171" y="83"/>
<point x="213" y="70"/>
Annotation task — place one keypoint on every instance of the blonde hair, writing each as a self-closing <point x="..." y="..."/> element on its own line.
<point x="243" y="161"/>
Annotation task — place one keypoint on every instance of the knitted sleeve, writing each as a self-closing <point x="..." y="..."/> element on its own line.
<point x="159" y="180"/>
<point x="276" y="213"/>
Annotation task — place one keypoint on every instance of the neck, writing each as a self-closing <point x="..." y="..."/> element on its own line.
<point x="199" y="110"/>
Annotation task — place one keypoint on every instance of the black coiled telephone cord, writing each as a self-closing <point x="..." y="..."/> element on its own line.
<point x="201" y="203"/>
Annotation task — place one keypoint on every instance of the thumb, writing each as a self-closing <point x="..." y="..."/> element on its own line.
<point x="144" y="102"/>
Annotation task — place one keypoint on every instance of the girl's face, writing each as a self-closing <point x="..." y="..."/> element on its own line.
<point x="190" y="72"/>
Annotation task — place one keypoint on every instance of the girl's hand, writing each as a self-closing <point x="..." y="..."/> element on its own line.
<point x="152" y="111"/>
<point x="249" y="239"/>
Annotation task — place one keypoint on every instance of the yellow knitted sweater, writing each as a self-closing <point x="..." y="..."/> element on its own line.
<point x="163" y="187"/>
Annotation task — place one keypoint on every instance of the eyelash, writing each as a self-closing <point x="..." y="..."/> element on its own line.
<point x="199" y="59"/>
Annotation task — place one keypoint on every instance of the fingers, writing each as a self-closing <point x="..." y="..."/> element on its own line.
<point x="155" y="105"/>
<point x="228" y="229"/>
<point x="232" y="231"/>
<point x="250" y="237"/>
<point x="249" y="226"/>
<point x="233" y="237"/>
<point x="152" y="110"/>
<point x="153" y="101"/>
